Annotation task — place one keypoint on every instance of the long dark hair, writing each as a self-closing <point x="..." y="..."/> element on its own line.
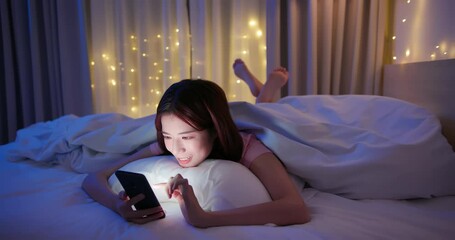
<point x="203" y="105"/>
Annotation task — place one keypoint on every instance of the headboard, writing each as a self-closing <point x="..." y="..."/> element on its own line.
<point x="428" y="84"/>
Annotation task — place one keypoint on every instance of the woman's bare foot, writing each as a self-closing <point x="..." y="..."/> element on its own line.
<point x="275" y="81"/>
<point x="242" y="72"/>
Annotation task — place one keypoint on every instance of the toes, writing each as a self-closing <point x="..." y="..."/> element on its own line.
<point x="237" y="61"/>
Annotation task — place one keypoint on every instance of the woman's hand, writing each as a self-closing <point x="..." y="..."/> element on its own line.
<point x="124" y="208"/>
<point x="179" y="188"/>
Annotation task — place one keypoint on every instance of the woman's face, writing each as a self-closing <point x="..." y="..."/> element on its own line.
<point x="189" y="146"/>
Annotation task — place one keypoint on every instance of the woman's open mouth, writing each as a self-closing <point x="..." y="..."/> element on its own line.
<point x="184" y="161"/>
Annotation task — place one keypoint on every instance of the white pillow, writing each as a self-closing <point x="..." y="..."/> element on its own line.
<point x="218" y="184"/>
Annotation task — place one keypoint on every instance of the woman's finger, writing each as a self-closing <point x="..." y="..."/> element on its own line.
<point x="147" y="218"/>
<point x="173" y="183"/>
<point x="122" y="195"/>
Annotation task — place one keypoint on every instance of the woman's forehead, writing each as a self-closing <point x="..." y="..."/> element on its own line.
<point x="172" y="124"/>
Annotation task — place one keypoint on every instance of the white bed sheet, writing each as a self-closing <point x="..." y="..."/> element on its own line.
<point x="42" y="202"/>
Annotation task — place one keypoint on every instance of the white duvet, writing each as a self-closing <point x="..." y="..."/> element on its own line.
<point x="355" y="146"/>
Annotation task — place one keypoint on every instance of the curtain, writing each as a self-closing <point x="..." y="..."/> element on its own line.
<point x="138" y="48"/>
<point x="44" y="66"/>
<point x="331" y="46"/>
<point x="223" y="31"/>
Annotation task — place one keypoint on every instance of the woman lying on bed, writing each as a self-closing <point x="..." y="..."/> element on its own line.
<point x="193" y="123"/>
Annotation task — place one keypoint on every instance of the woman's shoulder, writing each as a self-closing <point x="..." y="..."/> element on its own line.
<point x="252" y="148"/>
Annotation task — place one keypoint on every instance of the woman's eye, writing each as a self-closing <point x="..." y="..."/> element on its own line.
<point x="166" y="137"/>
<point x="187" y="137"/>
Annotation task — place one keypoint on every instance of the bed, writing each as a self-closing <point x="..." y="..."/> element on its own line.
<point x="368" y="167"/>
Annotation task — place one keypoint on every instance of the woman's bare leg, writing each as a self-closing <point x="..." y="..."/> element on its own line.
<point x="276" y="79"/>
<point x="242" y="72"/>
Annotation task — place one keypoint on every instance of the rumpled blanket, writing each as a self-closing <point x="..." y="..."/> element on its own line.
<point x="356" y="146"/>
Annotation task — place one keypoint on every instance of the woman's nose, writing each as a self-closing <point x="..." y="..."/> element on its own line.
<point x="178" y="146"/>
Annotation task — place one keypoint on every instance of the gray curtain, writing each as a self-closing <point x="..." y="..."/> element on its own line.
<point x="329" y="46"/>
<point x="44" y="65"/>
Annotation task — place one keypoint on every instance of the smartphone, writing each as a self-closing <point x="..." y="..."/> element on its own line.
<point x="136" y="183"/>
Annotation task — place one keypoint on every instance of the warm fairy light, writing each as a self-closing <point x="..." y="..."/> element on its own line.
<point x="407" y="12"/>
<point x="259" y="33"/>
<point x="116" y="64"/>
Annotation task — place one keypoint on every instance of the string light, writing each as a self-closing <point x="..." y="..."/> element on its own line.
<point x="259" y="33"/>
<point x="413" y="49"/>
<point x="138" y="46"/>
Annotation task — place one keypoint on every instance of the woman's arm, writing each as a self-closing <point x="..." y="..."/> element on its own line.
<point x="287" y="206"/>
<point x="96" y="185"/>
